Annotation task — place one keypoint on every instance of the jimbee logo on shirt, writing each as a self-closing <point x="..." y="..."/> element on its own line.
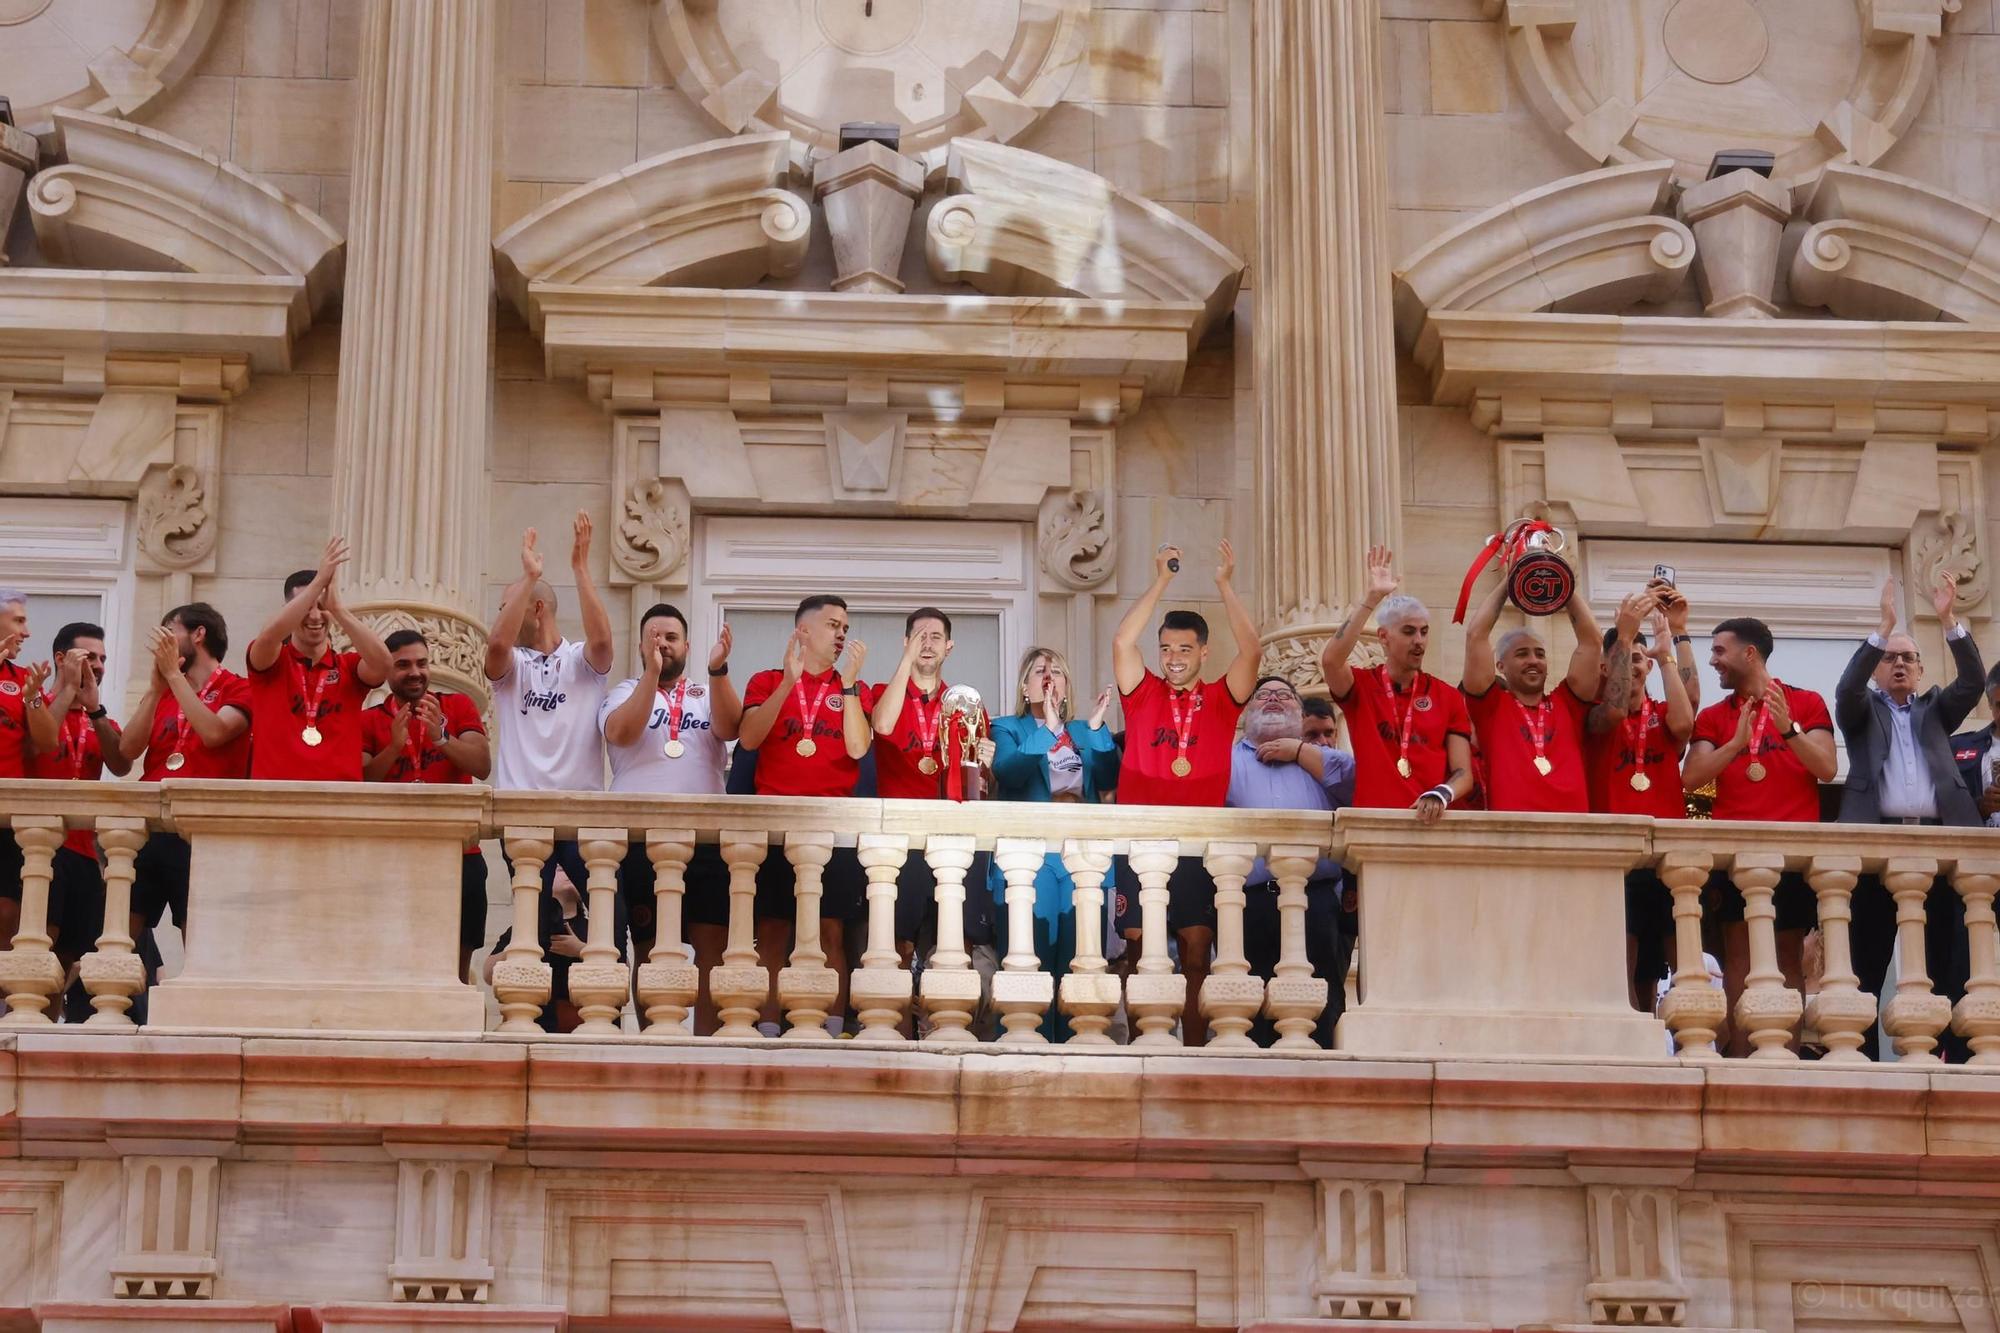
<point x="546" y="700"/>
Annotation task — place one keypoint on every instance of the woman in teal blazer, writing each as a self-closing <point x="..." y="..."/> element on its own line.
<point x="1041" y="753"/>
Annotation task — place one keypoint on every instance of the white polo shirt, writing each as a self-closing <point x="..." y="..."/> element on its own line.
<point x="545" y="709"/>
<point x="644" y="766"/>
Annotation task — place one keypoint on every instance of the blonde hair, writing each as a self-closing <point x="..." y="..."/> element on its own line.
<point x="1060" y="663"/>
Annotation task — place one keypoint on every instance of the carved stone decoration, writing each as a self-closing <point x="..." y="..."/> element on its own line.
<point x="869" y="194"/>
<point x="1885" y="247"/>
<point x="1738" y="220"/>
<point x="129" y="197"/>
<point x="176" y="525"/>
<point x="1838" y="81"/>
<point x="865" y="453"/>
<point x="1947" y="545"/>
<point x="111" y="59"/>
<point x="442" y="1215"/>
<point x="1293" y="653"/>
<point x="457" y="645"/>
<point x="651" y="543"/>
<point x="167" y="1235"/>
<point x="938" y="69"/>
<point x="1635" y="1257"/>
<point x="1363" y="1262"/>
<point x="1074" y="540"/>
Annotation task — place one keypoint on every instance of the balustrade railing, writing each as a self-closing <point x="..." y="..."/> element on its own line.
<point x="329" y="908"/>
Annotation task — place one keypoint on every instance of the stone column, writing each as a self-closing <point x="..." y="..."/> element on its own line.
<point x="410" y="423"/>
<point x="1328" y="470"/>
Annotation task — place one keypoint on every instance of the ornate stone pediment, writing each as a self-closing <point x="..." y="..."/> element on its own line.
<point x="1886" y="247"/>
<point x="110" y="59"/>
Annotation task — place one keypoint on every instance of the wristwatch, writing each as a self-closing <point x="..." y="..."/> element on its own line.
<point x="715" y="673"/>
<point x="854" y="690"/>
<point x="1789" y="732"/>
<point x="99" y="714"/>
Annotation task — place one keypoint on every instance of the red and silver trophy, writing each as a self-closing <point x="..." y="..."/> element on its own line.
<point x="1539" y="580"/>
<point x="961" y="732"/>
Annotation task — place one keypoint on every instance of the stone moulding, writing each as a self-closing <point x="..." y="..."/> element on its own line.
<point x="1016" y="223"/>
<point x="131" y="198"/>
<point x="122" y="80"/>
<point x="76" y="332"/>
<point x="1886" y="247"/>
<point x="1594" y="241"/>
<point x="715" y="213"/>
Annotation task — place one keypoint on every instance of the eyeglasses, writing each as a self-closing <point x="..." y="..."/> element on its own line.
<point x="1907" y="659"/>
<point x="1273" y="692"/>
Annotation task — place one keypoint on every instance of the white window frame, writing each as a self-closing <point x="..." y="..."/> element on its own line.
<point x="77" y="548"/>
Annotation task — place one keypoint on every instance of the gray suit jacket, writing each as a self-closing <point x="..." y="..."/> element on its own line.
<point x="1863" y="717"/>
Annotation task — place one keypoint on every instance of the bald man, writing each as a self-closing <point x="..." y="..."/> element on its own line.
<point x="1530" y="736"/>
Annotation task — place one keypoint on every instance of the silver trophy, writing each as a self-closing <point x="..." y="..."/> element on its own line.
<point x="959" y="735"/>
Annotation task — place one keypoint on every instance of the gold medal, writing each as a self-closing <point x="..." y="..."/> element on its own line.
<point x="310" y="735"/>
<point x="807" y="749"/>
<point x="1403" y="768"/>
<point x="927" y="766"/>
<point x="1640" y="782"/>
<point x="1182" y="768"/>
<point x="176" y="762"/>
<point x="675" y="749"/>
<point x="1543" y="765"/>
<point x="1755" y="772"/>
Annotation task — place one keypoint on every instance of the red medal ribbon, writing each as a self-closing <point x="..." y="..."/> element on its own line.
<point x="674" y="715"/>
<point x="927" y="727"/>
<point x="1758" y="727"/>
<point x="1406" y="721"/>
<point x="1636" y="740"/>
<point x="1538" y="725"/>
<point x="1184" y="723"/>
<point x="319" y="690"/>
<point x="73" y="741"/>
<point x="207" y="694"/>
<point x="1508" y="546"/>
<point x="819" y="701"/>
<point x="414" y="744"/>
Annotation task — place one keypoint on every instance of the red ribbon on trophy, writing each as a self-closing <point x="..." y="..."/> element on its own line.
<point x="1538" y="579"/>
<point x="962" y="728"/>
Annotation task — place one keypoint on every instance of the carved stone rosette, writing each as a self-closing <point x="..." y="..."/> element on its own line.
<point x="176" y="523"/>
<point x="650" y="544"/>
<point x="1074" y="540"/>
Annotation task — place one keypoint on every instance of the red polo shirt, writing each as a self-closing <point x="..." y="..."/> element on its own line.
<point x="421" y="761"/>
<point x="1507" y="741"/>
<point x="1153" y="742"/>
<point x="78" y="758"/>
<point x="170" y="734"/>
<point x="13" y="720"/>
<point x="1788" y="792"/>
<point x="1377" y="714"/>
<point x="814" y="708"/>
<point x="278" y="718"/>
<point x="1640" y="746"/>
<point x="914" y="736"/>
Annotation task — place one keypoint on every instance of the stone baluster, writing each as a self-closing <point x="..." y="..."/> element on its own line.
<point x="1155" y="995"/>
<point x="1090" y="991"/>
<point x="669" y="983"/>
<point x="1977" y="1018"/>
<point x="522" y="979"/>
<point x="881" y="990"/>
<point x="1767" y="1009"/>
<point x="1295" y="998"/>
<point x="740" y="985"/>
<point x="1914" y="1016"/>
<point x="112" y="973"/>
<point x="1694" y="1008"/>
<point x="1841" y="1012"/>
<point x="950" y="987"/>
<point x="29" y="971"/>
<point x="1230" y="997"/>
<point x="808" y="987"/>
<point x="598" y="982"/>
<point x="1022" y="992"/>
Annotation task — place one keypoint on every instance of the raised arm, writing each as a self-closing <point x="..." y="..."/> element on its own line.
<point x="597" y="644"/>
<point x="1616" y="702"/>
<point x="1588" y="655"/>
<point x="1242" y="673"/>
<point x="1850" y="692"/>
<point x="725" y="705"/>
<point x="1479" y="673"/>
<point x="758" y="721"/>
<point x="1334" y="657"/>
<point x="1961" y="696"/>
<point x="109" y="738"/>
<point x="376" y="664"/>
<point x="1674" y="603"/>
<point x="263" y="650"/>
<point x="506" y="631"/>
<point x="1680" y="704"/>
<point x="1127" y="665"/>
<point x="889" y="705"/>
<point x="854" y="727"/>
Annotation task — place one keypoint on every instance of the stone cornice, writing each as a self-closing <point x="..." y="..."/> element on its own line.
<point x="631" y="331"/>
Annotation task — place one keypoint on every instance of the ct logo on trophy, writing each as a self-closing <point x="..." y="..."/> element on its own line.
<point x="1539" y="580"/>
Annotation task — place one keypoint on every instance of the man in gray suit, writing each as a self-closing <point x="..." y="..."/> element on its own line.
<point x="1901" y="770"/>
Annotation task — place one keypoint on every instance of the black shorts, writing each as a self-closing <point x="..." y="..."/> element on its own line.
<point x="10" y="865"/>
<point x="471" y="901"/>
<point x="704" y="901"/>
<point x="1190" y="901"/>
<point x="76" y="902"/>
<point x="160" y="879"/>
<point x="843" y="888"/>
<point x="916" y="897"/>
<point x="1649" y="905"/>
<point x="1797" y="904"/>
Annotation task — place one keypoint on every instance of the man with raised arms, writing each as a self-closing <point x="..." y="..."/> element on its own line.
<point x="668" y="734"/>
<point x="1410" y="732"/>
<point x="1530" y="736"/>
<point x="1180" y="737"/>
<point x="808" y="723"/>
<point x="305" y="699"/>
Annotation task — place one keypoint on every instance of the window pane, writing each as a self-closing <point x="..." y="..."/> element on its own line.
<point x="49" y="612"/>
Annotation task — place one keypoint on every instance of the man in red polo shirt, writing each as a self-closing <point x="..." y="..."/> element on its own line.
<point x="195" y="718"/>
<point x="1180" y="739"/>
<point x="305" y="698"/>
<point x="808" y="723"/>
<point x="416" y="735"/>
<point x="21" y="703"/>
<point x="1530" y="737"/>
<point x="1633" y="745"/>
<point x="1411" y="734"/>
<point x="1767" y="747"/>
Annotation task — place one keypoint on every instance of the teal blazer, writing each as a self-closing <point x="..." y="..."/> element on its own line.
<point x="1021" y="758"/>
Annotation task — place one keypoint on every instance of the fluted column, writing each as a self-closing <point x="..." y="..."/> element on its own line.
<point x="410" y="422"/>
<point x="1327" y="464"/>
